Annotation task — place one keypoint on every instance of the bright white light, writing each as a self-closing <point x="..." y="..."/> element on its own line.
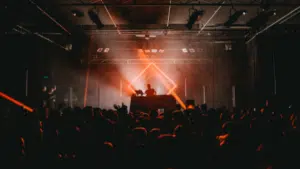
<point x="154" y="50"/>
<point x="106" y="50"/>
<point x="192" y="50"/>
<point x="147" y="51"/>
<point x="99" y="50"/>
<point x="184" y="50"/>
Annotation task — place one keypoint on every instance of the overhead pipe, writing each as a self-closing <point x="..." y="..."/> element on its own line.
<point x="39" y="35"/>
<point x="212" y="16"/>
<point x="168" y="21"/>
<point x="274" y="23"/>
<point x="50" y="17"/>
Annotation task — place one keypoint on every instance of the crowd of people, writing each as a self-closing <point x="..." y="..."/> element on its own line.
<point x="264" y="138"/>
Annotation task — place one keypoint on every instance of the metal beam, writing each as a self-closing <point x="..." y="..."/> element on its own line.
<point x="50" y="17"/>
<point x="274" y="23"/>
<point x="177" y="4"/>
<point x="146" y="61"/>
<point x="212" y="16"/>
<point x="169" y="12"/>
<point x="24" y="30"/>
<point x="161" y="27"/>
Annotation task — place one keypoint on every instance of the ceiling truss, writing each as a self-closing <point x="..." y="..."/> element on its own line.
<point x="147" y="61"/>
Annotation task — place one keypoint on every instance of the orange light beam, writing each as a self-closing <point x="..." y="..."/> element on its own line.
<point x="177" y="98"/>
<point x="171" y="91"/>
<point x="5" y="96"/>
<point x="166" y="76"/>
<point x="86" y="86"/>
<point x="138" y="76"/>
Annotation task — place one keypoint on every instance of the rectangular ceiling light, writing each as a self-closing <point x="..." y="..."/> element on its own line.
<point x="153" y="50"/>
<point x="99" y="50"/>
<point x="192" y="50"/>
<point x="184" y="50"/>
<point x="147" y="51"/>
<point x="106" y="50"/>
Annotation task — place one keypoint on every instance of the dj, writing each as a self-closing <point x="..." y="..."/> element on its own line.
<point x="150" y="91"/>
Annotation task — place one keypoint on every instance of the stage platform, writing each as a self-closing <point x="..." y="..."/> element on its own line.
<point x="141" y="103"/>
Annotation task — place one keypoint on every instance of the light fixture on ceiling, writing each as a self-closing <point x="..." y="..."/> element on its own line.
<point x="77" y="13"/>
<point x="161" y="50"/>
<point x="99" y="50"/>
<point x="196" y="16"/>
<point x="192" y="50"/>
<point x="234" y="17"/>
<point x="106" y="50"/>
<point x="95" y="19"/>
<point x="261" y="19"/>
<point x="184" y="50"/>
<point x="154" y="50"/>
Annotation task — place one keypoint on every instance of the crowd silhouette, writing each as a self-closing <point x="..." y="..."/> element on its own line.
<point x="66" y="137"/>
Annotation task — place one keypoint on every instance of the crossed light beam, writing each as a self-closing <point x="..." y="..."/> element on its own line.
<point x="171" y="90"/>
<point x="160" y="71"/>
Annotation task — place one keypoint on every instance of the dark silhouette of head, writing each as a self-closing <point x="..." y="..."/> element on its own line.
<point x="148" y="86"/>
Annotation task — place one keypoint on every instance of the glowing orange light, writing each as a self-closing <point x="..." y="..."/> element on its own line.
<point x="157" y="68"/>
<point x="16" y="102"/>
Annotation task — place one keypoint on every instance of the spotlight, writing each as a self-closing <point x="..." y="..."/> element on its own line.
<point x="99" y="50"/>
<point x="196" y="16"/>
<point x="261" y="19"/>
<point x="106" y="50"/>
<point x="154" y="50"/>
<point x="184" y="50"/>
<point x="77" y="13"/>
<point x="233" y="18"/>
<point x="161" y="51"/>
<point x="192" y="50"/>
<point x="95" y="19"/>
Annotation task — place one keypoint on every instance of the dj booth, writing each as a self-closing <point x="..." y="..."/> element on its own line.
<point x="141" y="103"/>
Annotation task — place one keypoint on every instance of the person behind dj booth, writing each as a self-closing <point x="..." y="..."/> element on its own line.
<point x="150" y="91"/>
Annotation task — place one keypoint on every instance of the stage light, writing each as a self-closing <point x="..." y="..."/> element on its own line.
<point x="196" y="16"/>
<point x="106" y="50"/>
<point x="153" y="50"/>
<point x="184" y="50"/>
<point x="233" y="18"/>
<point x="147" y="51"/>
<point x="261" y="19"/>
<point x="95" y="19"/>
<point x="161" y="51"/>
<point x="160" y="71"/>
<point x="192" y="50"/>
<point x="99" y="50"/>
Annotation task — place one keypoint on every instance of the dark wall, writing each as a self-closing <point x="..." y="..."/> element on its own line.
<point x="275" y="62"/>
<point x="40" y="58"/>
